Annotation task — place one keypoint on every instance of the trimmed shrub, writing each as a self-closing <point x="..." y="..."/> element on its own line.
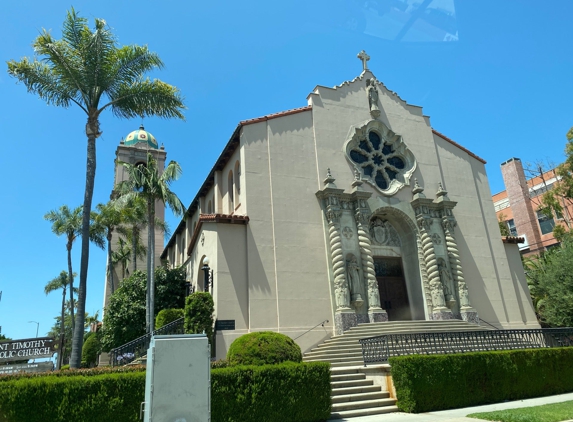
<point x="199" y="308"/>
<point x="426" y="383"/>
<point x="166" y="316"/>
<point x="91" y="350"/>
<point x="271" y="393"/>
<point x="67" y="372"/>
<point x="263" y="348"/>
<point x="110" y="397"/>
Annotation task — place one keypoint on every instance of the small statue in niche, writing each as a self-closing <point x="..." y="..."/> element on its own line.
<point x="353" y="272"/>
<point x="342" y="294"/>
<point x="373" y="97"/>
<point x="447" y="282"/>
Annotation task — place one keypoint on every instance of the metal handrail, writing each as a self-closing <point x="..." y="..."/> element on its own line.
<point x="491" y="325"/>
<point x="137" y="348"/>
<point x="320" y="323"/>
<point x="381" y="348"/>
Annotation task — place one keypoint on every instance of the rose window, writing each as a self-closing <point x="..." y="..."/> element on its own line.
<point x="378" y="160"/>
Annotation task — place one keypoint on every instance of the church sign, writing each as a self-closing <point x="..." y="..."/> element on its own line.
<point x="27" y="367"/>
<point x="33" y="348"/>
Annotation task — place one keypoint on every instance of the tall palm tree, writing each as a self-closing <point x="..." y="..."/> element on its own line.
<point x="147" y="181"/>
<point x="88" y="68"/>
<point x="60" y="282"/>
<point x="68" y="223"/>
<point x="122" y="256"/>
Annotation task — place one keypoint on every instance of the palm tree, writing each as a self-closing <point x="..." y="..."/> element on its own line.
<point x="68" y="223"/>
<point x="146" y="181"/>
<point x="109" y="218"/>
<point x="60" y="282"/>
<point x="87" y="68"/>
<point x="121" y="256"/>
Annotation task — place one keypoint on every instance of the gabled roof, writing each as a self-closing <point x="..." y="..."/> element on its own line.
<point x="445" y="138"/>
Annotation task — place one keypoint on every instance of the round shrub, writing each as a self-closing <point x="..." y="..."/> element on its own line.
<point x="166" y="316"/>
<point x="90" y="351"/>
<point x="262" y="348"/>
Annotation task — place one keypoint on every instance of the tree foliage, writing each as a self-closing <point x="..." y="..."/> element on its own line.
<point x="199" y="308"/>
<point x="87" y="68"/>
<point x="550" y="279"/>
<point x="124" y="317"/>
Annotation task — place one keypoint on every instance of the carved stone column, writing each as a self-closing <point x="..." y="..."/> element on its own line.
<point x="422" y="207"/>
<point x="449" y="224"/>
<point x="345" y="316"/>
<point x="424" y="272"/>
<point x="467" y="312"/>
<point x="362" y="217"/>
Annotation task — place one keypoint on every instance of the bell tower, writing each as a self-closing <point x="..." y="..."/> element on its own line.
<point x="134" y="150"/>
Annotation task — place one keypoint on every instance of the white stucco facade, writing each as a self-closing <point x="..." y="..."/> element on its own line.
<point x="297" y="232"/>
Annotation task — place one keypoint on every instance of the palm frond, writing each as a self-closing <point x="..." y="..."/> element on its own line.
<point x="147" y="98"/>
<point x="130" y="62"/>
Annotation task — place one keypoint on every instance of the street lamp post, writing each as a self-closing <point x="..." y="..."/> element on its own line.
<point x="37" y="326"/>
<point x="206" y="271"/>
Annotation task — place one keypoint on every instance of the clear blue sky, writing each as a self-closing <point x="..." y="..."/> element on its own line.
<point x="503" y="89"/>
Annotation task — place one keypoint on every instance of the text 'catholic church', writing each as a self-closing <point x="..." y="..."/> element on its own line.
<point x="351" y="209"/>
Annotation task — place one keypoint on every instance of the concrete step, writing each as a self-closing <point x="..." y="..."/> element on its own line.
<point x="333" y="353"/>
<point x="351" y="383"/>
<point x="362" y="404"/>
<point x="355" y="390"/>
<point x="363" y="412"/>
<point x="335" y="359"/>
<point x="347" y="377"/>
<point x="348" y="364"/>
<point x="373" y="395"/>
<point x="344" y="371"/>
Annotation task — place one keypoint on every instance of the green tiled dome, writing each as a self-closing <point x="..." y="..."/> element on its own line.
<point x="141" y="136"/>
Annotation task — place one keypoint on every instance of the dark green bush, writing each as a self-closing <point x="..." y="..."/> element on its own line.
<point x="427" y="383"/>
<point x="199" y="308"/>
<point x="221" y="363"/>
<point x="262" y="348"/>
<point x="91" y="350"/>
<point x="166" y="316"/>
<point x="110" y="397"/>
<point x="271" y="393"/>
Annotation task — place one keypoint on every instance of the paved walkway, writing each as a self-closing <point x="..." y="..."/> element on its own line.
<point x="458" y="415"/>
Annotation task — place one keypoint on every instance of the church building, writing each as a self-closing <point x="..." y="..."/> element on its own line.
<point x="351" y="209"/>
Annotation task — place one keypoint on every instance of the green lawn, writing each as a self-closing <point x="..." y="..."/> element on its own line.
<point x="547" y="413"/>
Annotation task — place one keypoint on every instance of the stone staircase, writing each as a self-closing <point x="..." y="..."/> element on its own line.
<point x="355" y="394"/>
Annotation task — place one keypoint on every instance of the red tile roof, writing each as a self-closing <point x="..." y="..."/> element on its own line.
<point x="275" y="115"/>
<point x="444" y="137"/>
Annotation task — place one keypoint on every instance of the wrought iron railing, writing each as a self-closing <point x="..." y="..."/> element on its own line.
<point x="137" y="348"/>
<point x="380" y="348"/>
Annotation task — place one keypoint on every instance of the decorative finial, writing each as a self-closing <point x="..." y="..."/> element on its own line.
<point x="442" y="193"/>
<point x="141" y="126"/>
<point x="329" y="181"/>
<point x="364" y="58"/>
<point x="417" y="191"/>
<point x="357" y="180"/>
<point x="122" y="141"/>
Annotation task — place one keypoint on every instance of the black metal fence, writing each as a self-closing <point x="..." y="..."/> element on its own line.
<point x="137" y="348"/>
<point x="380" y="348"/>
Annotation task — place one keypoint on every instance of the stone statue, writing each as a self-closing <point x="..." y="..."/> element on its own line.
<point x="373" y="97"/>
<point x="447" y="282"/>
<point x="353" y="273"/>
<point x="342" y="295"/>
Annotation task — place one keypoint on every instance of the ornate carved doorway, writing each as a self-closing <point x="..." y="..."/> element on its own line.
<point x="392" y="288"/>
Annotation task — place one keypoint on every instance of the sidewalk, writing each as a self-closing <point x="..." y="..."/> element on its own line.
<point x="457" y="415"/>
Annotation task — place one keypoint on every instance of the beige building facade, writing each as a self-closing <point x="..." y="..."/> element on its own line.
<point x="350" y="210"/>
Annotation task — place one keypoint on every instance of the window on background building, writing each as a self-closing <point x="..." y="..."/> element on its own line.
<point x="546" y="223"/>
<point x="231" y="192"/>
<point x="511" y="227"/>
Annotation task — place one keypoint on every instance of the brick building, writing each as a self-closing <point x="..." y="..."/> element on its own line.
<point x="519" y="207"/>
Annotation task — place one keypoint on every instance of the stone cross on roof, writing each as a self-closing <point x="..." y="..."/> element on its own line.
<point x="364" y="58"/>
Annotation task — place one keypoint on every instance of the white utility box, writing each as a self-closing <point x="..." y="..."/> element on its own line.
<point x="178" y="379"/>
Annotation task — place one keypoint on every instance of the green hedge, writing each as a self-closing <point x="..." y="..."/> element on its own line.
<point x="427" y="383"/>
<point x="110" y="397"/>
<point x="199" y="308"/>
<point x="263" y="348"/>
<point x="271" y="393"/>
<point x="274" y="393"/>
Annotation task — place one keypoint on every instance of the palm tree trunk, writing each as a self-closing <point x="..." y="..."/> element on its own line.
<point x="134" y="241"/>
<point x="151" y="262"/>
<point x="109" y="262"/>
<point x="92" y="130"/>
<point x="71" y="282"/>
<point x="62" y="332"/>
